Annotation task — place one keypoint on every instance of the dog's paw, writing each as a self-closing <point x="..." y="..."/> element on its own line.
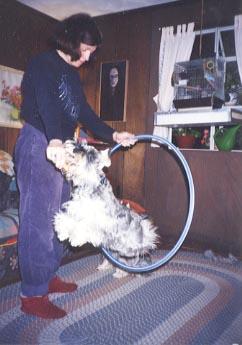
<point x="120" y="273"/>
<point x="105" y="265"/>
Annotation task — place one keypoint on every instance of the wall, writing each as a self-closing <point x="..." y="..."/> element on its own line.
<point x="155" y="179"/>
<point x="23" y="33"/>
<point x="146" y="175"/>
<point x="127" y="36"/>
<point x="217" y="175"/>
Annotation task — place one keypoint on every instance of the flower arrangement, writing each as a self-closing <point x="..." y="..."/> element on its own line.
<point x="12" y="96"/>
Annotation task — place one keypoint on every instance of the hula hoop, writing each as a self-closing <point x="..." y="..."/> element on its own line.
<point x="176" y="247"/>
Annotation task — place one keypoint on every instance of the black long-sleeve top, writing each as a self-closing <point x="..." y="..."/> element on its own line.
<point x="54" y="101"/>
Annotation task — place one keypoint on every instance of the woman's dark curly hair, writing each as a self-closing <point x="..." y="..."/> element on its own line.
<point x="74" y="30"/>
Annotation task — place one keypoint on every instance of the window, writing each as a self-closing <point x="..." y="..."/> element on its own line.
<point x="211" y="43"/>
<point x="219" y="42"/>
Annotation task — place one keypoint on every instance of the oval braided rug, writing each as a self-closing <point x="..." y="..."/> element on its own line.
<point x="191" y="300"/>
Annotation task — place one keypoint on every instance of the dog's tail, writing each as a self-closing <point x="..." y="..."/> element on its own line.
<point x="150" y="236"/>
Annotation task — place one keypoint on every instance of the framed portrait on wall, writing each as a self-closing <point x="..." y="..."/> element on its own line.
<point x="113" y="90"/>
<point x="10" y="97"/>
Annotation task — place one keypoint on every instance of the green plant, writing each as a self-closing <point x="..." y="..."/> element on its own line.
<point x="232" y="80"/>
<point x="185" y="131"/>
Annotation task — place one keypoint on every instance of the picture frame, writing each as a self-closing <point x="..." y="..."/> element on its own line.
<point x="10" y="97"/>
<point x="113" y="90"/>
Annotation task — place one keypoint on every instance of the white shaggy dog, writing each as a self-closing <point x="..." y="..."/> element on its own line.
<point x="94" y="214"/>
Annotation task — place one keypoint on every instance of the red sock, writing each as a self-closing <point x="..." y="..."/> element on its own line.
<point x="42" y="307"/>
<point x="58" y="285"/>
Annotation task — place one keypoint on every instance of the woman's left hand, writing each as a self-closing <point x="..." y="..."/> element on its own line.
<point x="55" y="153"/>
<point x="124" y="138"/>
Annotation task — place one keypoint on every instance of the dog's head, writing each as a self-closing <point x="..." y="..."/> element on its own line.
<point x="84" y="162"/>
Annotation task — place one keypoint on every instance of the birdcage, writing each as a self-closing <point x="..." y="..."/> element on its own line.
<point x="199" y="83"/>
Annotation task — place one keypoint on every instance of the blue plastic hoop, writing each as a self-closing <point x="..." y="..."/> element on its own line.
<point x="173" y="251"/>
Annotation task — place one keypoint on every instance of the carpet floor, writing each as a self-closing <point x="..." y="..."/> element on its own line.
<point x="191" y="300"/>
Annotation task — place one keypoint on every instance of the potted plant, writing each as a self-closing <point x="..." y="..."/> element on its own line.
<point x="186" y="136"/>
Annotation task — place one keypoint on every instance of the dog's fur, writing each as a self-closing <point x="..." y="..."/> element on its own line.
<point x="94" y="214"/>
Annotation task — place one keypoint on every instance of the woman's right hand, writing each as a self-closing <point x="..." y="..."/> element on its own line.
<point x="55" y="152"/>
<point x="124" y="138"/>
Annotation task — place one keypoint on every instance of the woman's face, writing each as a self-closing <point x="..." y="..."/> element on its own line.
<point x="85" y="52"/>
<point x="113" y="77"/>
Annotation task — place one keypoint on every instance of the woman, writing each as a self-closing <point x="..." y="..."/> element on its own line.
<point x="53" y="103"/>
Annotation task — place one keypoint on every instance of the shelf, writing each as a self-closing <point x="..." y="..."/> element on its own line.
<point x="199" y="117"/>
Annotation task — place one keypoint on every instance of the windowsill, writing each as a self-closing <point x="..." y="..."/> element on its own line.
<point x="199" y="117"/>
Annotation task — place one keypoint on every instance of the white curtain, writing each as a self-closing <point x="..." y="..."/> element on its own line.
<point x="173" y="48"/>
<point x="238" y="42"/>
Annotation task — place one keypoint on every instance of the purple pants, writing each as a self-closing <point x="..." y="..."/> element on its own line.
<point x="42" y="191"/>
